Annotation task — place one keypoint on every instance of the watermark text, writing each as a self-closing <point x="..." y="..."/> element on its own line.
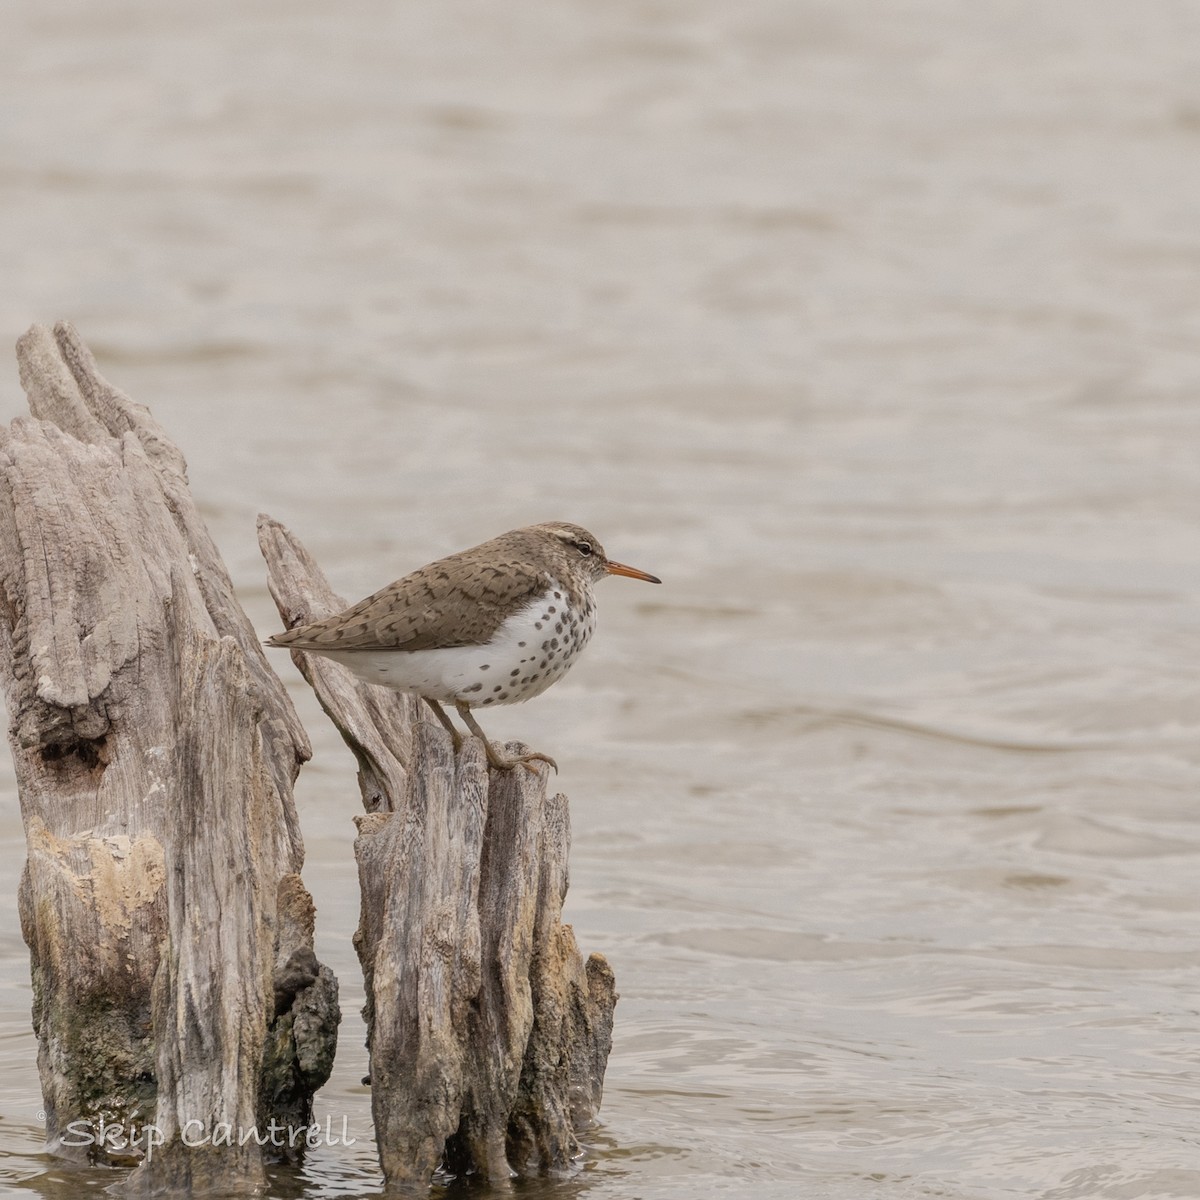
<point x="130" y="1137"/>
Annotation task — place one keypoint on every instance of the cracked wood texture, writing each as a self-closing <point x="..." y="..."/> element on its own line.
<point x="170" y="934"/>
<point x="488" y="1033"/>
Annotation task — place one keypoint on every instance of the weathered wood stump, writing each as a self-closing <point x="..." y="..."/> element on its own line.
<point x="488" y="1034"/>
<point x="171" y="937"/>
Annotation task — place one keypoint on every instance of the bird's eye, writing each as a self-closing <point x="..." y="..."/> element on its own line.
<point x="584" y="548"/>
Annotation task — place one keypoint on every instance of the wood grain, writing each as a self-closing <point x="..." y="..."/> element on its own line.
<point x="155" y="753"/>
<point x="488" y="1034"/>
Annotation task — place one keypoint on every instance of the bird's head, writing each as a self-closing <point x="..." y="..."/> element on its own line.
<point x="584" y="552"/>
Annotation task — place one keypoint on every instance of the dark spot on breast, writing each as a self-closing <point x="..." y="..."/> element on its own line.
<point x="558" y="627"/>
<point x="497" y="687"/>
<point x="554" y="643"/>
<point x="475" y="687"/>
<point x="486" y="667"/>
<point x="542" y="664"/>
<point x="521" y="645"/>
<point x="552" y="609"/>
<point x="558" y="595"/>
<point x="537" y="624"/>
<point x="516" y="670"/>
<point x="503" y="695"/>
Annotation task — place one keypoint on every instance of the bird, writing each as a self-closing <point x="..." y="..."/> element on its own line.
<point x="495" y="624"/>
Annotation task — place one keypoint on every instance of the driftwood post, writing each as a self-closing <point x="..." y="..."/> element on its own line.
<point x="488" y="1033"/>
<point x="177" y="1000"/>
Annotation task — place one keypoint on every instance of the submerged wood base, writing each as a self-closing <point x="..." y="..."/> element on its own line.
<point x="488" y="1033"/>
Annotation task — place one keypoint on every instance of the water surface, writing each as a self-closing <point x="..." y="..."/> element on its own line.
<point x="873" y="330"/>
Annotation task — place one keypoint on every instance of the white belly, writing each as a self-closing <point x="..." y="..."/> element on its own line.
<point x="531" y="650"/>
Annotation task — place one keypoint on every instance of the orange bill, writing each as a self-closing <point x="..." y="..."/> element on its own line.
<point x="616" y="568"/>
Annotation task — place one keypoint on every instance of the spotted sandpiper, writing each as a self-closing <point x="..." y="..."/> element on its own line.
<point x="495" y="624"/>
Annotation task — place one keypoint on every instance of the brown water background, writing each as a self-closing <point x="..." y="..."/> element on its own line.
<point x="875" y="330"/>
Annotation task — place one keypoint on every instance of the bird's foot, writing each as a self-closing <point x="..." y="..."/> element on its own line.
<point x="495" y="759"/>
<point x="501" y="763"/>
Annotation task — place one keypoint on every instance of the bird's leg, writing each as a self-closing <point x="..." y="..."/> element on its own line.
<point x="443" y="716"/>
<point x="495" y="759"/>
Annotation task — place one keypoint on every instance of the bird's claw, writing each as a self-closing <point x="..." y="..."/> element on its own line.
<point x="500" y="763"/>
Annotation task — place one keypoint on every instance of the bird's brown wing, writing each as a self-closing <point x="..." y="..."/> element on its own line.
<point x="447" y="603"/>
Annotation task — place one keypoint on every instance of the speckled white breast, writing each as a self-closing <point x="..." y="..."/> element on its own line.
<point x="532" y="649"/>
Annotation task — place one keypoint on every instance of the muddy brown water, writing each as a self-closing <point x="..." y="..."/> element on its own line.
<point x="875" y="331"/>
